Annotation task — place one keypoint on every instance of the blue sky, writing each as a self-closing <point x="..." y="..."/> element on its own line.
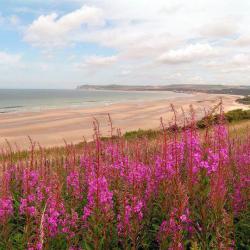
<point x="64" y="43"/>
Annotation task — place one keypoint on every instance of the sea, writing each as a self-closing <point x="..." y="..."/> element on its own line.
<point x="23" y="100"/>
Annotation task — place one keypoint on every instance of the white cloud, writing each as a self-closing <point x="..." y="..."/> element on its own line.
<point x="93" y="62"/>
<point x="237" y="63"/>
<point x="242" y="41"/>
<point x="100" y="60"/>
<point x="241" y="59"/>
<point x="187" y="54"/>
<point x="219" y="29"/>
<point x="133" y="42"/>
<point x="7" y="59"/>
<point x="125" y="72"/>
<point x="53" y="31"/>
<point x="196" y="79"/>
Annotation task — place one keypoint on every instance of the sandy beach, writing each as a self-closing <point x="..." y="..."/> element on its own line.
<point x="52" y="127"/>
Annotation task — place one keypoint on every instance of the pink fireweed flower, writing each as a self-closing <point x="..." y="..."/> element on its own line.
<point x="27" y="208"/>
<point x="52" y="217"/>
<point x="124" y="221"/>
<point x="6" y="202"/>
<point x="6" y="209"/>
<point x="163" y="169"/>
<point x="29" y="179"/>
<point x="240" y="194"/>
<point x="183" y="218"/>
<point x="86" y="213"/>
<point x="37" y="246"/>
<point x="75" y="248"/>
<point x="69" y="223"/>
<point x="130" y="211"/>
<point x="137" y="209"/>
<point x="98" y="195"/>
<point x="194" y="150"/>
<point x="166" y="168"/>
<point x="186" y="221"/>
<point x="138" y="173"/>
<point x="174" y="228"/>
<point x="73" y="184"/>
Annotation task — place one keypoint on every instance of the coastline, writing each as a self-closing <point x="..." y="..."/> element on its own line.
<point x="51" y="127"/>
<point x="32" y="100"/>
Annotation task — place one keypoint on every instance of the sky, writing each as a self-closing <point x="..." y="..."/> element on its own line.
<point x="65" y="43"/>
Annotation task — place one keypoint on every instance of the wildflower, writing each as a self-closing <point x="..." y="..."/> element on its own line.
<point x="183" y="218"/>
<point x="69" y="223"/>
<point x="73" y="184"/>
<point x="52" y="215"/>
<point x="6" y="209"/>
<point x="98" y="195"/>
<point x="131" y="211"/>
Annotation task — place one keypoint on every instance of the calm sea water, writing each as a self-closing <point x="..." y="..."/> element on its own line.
<point x="17" y="100"/>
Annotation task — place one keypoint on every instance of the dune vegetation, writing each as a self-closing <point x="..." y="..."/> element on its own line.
<point x="184" y="187"/>
<point x="244" y="100"/>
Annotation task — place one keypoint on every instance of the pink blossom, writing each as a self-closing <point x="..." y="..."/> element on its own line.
<point x="6" y="209"/>
<point x="98" y="195"/>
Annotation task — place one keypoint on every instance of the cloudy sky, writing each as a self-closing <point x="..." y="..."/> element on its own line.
<point x="63" y="43"/>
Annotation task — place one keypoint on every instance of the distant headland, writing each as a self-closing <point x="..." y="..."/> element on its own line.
<point x="204" y="88"/>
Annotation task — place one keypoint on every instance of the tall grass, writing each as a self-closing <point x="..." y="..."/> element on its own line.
<point x="183" y="189"/>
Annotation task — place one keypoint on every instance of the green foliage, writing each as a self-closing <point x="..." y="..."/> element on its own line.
<point x="201" y="214"/>
<point x="58" y="242"/>
<point x="140" y="133"/>
<point x="244" y="100"/>
<point x="242" y="230"/>
<point x="152" y="224"/>
<point x="237" y="115"/>
<point x="207" y="121"/>
<point x="231" y="116"/>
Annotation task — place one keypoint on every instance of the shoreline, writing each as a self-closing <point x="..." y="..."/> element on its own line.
<point x="21" y="108"/>
<point x="51" y="127"/>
